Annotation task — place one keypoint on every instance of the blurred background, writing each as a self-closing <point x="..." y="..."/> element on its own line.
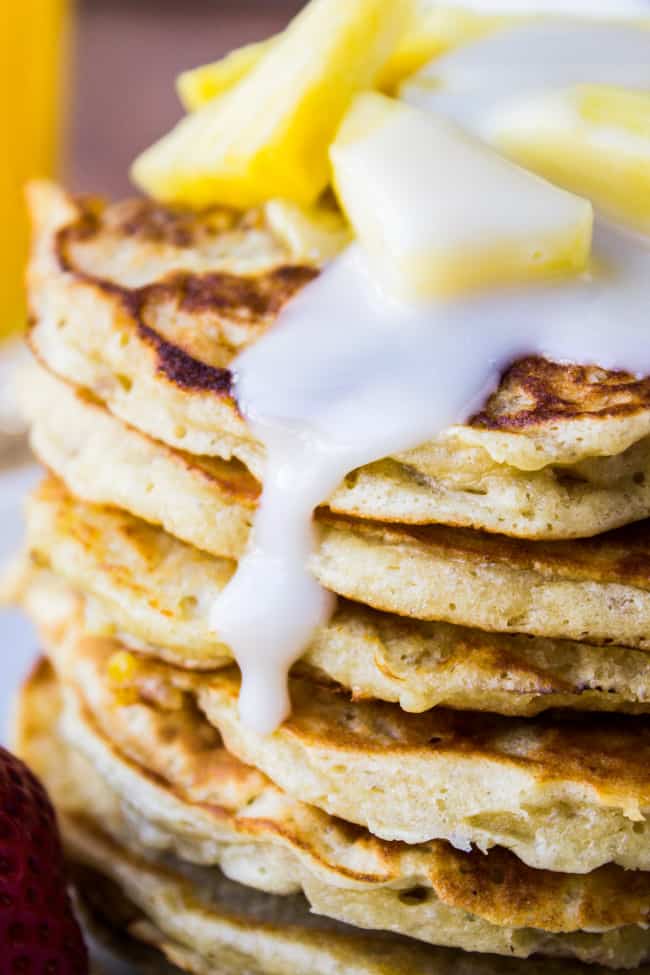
<point x="89" y="83"/>
<point x="86" y="86"/>
<point x="125" y="55"/>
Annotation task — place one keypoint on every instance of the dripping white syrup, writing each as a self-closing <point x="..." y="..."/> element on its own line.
<point x="347" y="376"/>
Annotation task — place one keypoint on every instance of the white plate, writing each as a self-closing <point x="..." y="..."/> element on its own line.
<point x="18" y="643"/>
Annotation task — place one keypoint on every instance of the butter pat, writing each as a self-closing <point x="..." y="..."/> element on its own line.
<point x="440" y="213"/>
<point x="594" y="139"/>
<point x="268" y="136"/>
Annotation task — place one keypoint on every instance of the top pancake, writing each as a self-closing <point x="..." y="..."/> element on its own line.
<point x="147" y="308"/>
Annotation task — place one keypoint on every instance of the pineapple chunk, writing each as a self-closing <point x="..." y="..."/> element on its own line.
<point x="440" y="213"/>
<point x="433" y="31"/>
<point x="313" y="235"/>
<point x="201" y="85"/>
<point x="593" y="139"/>
<point x="619" y="108"/>
<point x="269" y="135"/>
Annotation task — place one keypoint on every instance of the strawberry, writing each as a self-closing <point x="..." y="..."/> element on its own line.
<point x="39" y="934"/>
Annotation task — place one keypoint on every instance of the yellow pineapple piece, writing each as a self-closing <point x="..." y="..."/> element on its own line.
<point x="431" y="30"/>
<point x="434" y="30"/>
<point x="427" y="203"/>
<point x="592" y="139"/>
<point x="312" y="235"/>
<point x="123" y="668"/>
<point x="269" y="135"/>
<point x="620" y="108"/>
<point x="200" y="85"/>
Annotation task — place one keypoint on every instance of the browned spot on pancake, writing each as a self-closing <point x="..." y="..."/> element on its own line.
<point x="534" y="390"/>
<point x="183" y="369"/>
<point x="245" y="298"/>
<point x="256" y="297"/>
<point x="150" y="222"/>
<point x="147" y="220"/>
<point x="475" y="882"/>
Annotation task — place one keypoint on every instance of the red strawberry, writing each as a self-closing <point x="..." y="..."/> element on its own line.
<point x="38" y="931"/>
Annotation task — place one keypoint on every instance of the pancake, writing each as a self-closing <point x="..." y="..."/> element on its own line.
<point x="147" y="307"/>
<point x="496" y="885"/>
<point x="597" y="590"/>
<point x="155" y="592"/>
<point x="206" y="501"/>
<point x="71" y="431"/>
<point x="564" y="795"/>
<point x="368" y="956"/>
<point x="199" y="922"/>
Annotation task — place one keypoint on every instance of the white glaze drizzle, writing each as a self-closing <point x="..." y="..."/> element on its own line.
<point x="346" y="377"/>
<point x="468" y="83"/>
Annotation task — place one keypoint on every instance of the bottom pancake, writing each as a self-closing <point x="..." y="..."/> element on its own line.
<point x="288" y="852"/>
<point x="245" y="944"/>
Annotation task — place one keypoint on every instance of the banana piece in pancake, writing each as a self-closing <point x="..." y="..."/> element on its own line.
<point x="154" y="592"/>
<point x="210" y="502"/>
<point x="563" y="795"/>
<point x="471" y="900"/>
<point x="147" y="307"/>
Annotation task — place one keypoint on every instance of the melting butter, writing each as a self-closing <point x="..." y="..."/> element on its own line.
<point x="346" y="377"/>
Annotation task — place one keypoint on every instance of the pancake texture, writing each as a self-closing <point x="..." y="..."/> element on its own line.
<point x="596" y="590"/>
<point x="71" y="430"/>
<point x="592" y="590"/>
<point x="199" y="921"/>
<point x="563" y="795"/>
<point x="154" y="592"/>
<point x="146" y="308"/>
<point x="466" y="763"/>
<point x="196" y="915"/>
<point x="210" y="503"/>
<point x="497" y="884"/>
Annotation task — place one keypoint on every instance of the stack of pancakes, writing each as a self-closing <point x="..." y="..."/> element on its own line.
<point x="467" y="762"/>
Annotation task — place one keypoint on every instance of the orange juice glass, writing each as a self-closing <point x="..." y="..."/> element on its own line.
<point x="31" y="54"/>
